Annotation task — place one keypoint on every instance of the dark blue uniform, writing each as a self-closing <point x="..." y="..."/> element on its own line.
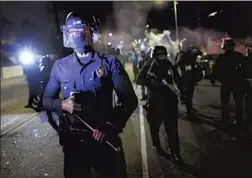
<point x="162" y="102"/>
<point x="230" y="70"/>
<point x="45" y="70"/>
<point x="248" y="96"/>
<point x="96" y="77"/>
<point x="191" y="74"/>
<point x="32" y="76"/>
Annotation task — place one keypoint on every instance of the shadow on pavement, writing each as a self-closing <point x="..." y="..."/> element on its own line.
<point x="208" y="85"/>
<point x="217" y="157"/>
<point x="194" y="118"/>
<point x="227" y="159"/>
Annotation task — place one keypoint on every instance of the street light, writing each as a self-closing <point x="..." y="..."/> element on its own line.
<point x="121" y="42"/>
<point x="147" y="26"/>
<point x="110" y="34"/>
<point x="109" y="43"/>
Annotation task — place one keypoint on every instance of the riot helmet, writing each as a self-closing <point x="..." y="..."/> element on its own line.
<point x="228" y="44"/>
<point x="78" y="33"/>
<point x="194" y="50"/>
<point x="160" y="53"/>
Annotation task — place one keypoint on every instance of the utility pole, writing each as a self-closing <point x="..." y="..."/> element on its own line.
<point x="176" y="19"/>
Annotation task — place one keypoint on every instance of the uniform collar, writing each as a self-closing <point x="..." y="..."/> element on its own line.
<point x="75" y="59"/>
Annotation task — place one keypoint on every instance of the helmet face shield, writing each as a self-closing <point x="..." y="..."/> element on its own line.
<point x="72" y="32"/>
<point x="78" y="33"/>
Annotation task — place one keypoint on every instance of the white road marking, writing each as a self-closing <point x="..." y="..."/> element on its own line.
<point x="145" y="170"/>
<point x="18" y="126"/>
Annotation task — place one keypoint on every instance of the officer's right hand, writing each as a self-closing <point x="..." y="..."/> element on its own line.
<point x="70" y="106"/>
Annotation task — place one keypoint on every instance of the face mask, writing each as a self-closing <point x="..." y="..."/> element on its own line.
<point x="78" y="40"/>
<point x="161" y="57"/>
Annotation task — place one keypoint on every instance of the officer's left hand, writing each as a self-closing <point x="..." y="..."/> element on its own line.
<point x="104" y="130"/>
<point x="98" y="135"/>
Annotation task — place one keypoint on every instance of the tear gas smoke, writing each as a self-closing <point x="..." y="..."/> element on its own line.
<point x="131" y="21"/>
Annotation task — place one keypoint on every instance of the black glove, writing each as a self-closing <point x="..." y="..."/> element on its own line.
<point x="105" y="132"/>
<point x="108" y="129"/>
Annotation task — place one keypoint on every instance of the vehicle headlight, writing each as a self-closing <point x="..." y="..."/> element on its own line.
<point x="26" y="57"/>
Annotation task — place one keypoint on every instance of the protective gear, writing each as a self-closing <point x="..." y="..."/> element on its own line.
<point x="230" y="70"/>
<point x="160" y="55"/>
<point x="78" y="33"/>
<point x="191" y="74"/>
<point x="159" y="50"/>
<point x="194" y="51"/>
<point x="162" y="101"/>
<point x="228" y="44"/>
<point x="96" y="79"/>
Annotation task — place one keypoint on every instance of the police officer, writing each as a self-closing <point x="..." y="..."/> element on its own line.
<point x="191" y="74"/>
<point x="31" y="72"/>
<point x="248" y="96"/>
<point x="91" y="76"/>
<point x="140" y="65"/>
<point x="230" y="71"/>
<point x="162" y="79"/>
<point x="45" y="70"/>
<point x="134" y="59"/>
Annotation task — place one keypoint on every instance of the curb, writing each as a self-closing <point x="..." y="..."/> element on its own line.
<point x="16" y="126"/>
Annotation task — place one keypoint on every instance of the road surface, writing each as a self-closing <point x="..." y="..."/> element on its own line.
<point x="32" y="150"/>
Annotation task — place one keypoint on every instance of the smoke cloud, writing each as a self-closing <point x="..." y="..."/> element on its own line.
<point x="130" y="19"/>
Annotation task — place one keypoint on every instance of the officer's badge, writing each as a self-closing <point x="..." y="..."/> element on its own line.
<point x="100" y="71"/>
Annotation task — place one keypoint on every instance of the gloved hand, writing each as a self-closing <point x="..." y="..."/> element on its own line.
<point x="103" y="130"/>
<point x="69" y="105"/>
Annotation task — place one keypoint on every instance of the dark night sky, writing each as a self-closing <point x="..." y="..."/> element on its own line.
<point x="236" y="17"/>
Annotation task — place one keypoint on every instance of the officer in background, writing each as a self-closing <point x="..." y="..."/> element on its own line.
<point x="32" y="72"/>
<point x="89" y="77"/>
<point x="162" y="79"/>
<point x="230" y="71"/>
<point x="45" y="70"/>
<point x="248" y="95"/>
<point x="141" y="63"/>
<point x="134" y="59"/>
<point x="191" y="74"/>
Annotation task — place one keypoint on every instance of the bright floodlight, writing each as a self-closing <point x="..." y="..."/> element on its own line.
<point x="110" y="34"/>
<point x="26" y="57"/>
<point x="109" y="43"/>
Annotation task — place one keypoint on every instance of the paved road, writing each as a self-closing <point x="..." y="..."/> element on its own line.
<point x="32" y="151"/>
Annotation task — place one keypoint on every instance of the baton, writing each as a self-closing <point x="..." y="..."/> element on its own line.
<point x="117" y="149"/>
